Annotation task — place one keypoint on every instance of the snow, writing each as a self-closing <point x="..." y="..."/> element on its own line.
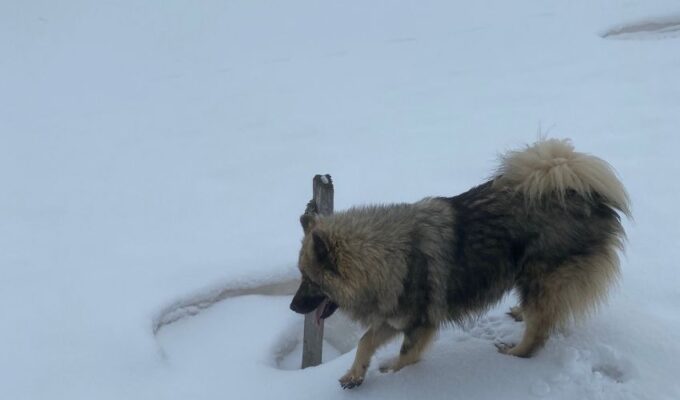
<point x="157" y="155"/>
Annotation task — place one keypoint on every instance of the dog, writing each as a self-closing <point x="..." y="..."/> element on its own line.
<point x="547" y="224"/>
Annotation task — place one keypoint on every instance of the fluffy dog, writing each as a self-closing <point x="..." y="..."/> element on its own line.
<point x="547" y="225"/>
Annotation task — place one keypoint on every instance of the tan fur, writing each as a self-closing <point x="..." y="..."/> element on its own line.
<point x="370" y="260"/>
<point x="579" y="288"/>
<point x="552" y="166"/>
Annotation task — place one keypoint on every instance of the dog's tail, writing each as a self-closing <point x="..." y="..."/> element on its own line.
<point x="552" y="167"/>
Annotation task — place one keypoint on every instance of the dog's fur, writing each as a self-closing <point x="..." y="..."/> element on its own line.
<point x="545" y="225"/>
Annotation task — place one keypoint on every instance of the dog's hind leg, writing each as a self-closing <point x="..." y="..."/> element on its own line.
<point x="539" y="324"/>
<point x="369" y="343"/>
<point x="416" y="341"/>
<point x="551" y="299"/>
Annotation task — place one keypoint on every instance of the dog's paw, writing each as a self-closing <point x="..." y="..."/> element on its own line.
<point x="350" y="380"/>
<point x="504" y="348"/>
<point x="393" y="365"/>
<point x="512" y="350"/>
<point x="516" y="313"/>
<point x="387" y="366"/>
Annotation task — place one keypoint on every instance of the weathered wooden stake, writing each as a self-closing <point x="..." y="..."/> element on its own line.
<point x="312" y="341"/>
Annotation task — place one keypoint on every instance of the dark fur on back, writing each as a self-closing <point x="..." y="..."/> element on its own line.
<point x="546" y="225"/>
<point x="500" y="244"/>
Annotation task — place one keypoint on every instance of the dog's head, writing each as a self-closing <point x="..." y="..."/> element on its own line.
<point x="319" y="268"/>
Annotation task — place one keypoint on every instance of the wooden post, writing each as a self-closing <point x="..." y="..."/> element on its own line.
<point x="312" y="341"/>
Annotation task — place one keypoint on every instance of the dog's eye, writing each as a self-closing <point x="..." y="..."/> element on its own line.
<point x="329" y="265"/>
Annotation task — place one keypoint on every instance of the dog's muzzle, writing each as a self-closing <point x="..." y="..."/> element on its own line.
<point x="309" y="297"/>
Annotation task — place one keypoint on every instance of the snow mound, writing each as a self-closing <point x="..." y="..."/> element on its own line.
<point x="340" y="333"/>
<point x="193" y="304"/>
<point x="648" y="29"/>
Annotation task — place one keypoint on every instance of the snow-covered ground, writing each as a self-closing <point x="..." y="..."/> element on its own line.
<point x="156" y="153"/>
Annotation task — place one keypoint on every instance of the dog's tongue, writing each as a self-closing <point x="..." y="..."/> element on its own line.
<point x="319" y="311"/>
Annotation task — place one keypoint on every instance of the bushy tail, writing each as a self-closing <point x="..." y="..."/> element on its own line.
<point x="551" y="167"/>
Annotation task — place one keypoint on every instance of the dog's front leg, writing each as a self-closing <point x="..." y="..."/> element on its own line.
<point x="416" y="340"/>
<point x="369" y="343"/>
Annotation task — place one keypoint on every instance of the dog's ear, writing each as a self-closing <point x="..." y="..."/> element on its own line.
<point x="322" y="248"/>
<point x="308" y="222"/>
